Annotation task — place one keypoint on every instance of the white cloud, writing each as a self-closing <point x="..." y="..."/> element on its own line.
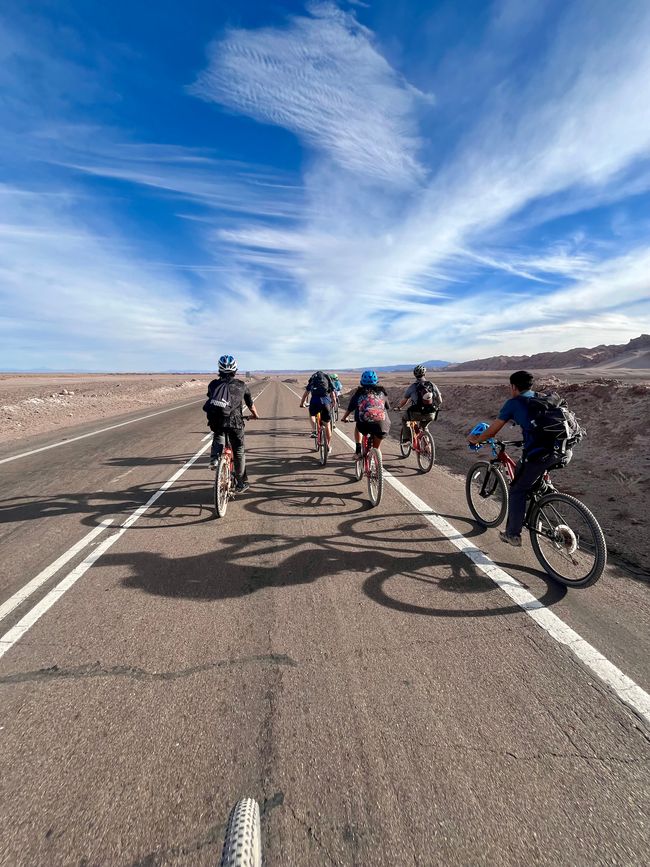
<point x="322" y="78"/>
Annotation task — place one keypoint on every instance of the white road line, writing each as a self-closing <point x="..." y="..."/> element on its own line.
<point x="625" y="688"/>
<point x="94" y="433"/>
<point x="25" y="592"/>
<point x="16" y="632"/>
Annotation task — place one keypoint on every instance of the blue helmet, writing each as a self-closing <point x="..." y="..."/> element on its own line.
<point x="479" y="428"/>
<point x="476" y="431"/>
<point x="227" y="364"/>
<point x="369" y="377"/>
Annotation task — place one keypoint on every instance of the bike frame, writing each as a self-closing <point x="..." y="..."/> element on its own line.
<point x="366" y="446"/>
<point x="500" y="456"/>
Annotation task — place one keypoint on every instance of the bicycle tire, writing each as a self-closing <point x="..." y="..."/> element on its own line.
<point x="375" y="477"/>
<point x="222" y="487"/>
<point x="322" y="456"/>
<point x="242" y="846"/>
<point x="426" y="454"/>
<point x="496" y="488"/>
<point x="405" y="446"/>
<point x="317" y="438"/>
<point x="358" y="467"/>
<point x="597" y="541"/>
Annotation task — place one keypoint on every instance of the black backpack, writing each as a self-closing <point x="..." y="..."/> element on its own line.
<point x="553" y="428"/>
<point x="426" y="401"/>
<point x="320" y="384"/>
<point x="219" y="406"/>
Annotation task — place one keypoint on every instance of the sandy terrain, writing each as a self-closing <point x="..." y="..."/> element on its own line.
<point x="610" y="470"/>
<point x="32" y="404"/>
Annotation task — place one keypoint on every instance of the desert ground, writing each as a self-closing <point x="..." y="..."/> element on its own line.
<point x="610" y="470"/>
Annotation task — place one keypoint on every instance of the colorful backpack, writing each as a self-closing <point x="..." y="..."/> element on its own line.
<point x="371" y="407"/>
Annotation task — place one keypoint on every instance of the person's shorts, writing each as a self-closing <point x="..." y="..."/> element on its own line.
<point x="374" y="428"/>
<point x="322" y="405"/>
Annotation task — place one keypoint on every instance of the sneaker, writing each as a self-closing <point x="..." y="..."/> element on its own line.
<point x="313" y="434"/>
<point x="240" y="487"/>
<point x="213" y="463"/>
<point x="329" y="450"/>
<point x="515" y="541"/>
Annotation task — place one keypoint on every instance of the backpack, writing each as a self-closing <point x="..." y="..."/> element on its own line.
<point x="426" y="401"/>
<point x="219" y="405"/>
<point x="320" y="384"/>
<point x="371" y="407"/>
<point x="554" y="429"/>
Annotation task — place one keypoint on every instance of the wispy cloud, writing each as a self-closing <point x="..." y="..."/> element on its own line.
<point x="322" y="78"/>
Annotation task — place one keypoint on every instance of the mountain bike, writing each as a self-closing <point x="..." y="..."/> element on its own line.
<point x="370" y="465"/>
<point x="565" y="536"/>
<point x="420" y="440"/>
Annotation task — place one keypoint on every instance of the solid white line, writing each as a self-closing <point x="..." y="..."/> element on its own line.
<point x="625" y="688"/>
<point x="25" y="592"/>
<point x="16" y="632"/>
<point x="94" y="433"/>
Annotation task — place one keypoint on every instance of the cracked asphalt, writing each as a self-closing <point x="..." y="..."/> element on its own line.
<point x="384" y="702"/>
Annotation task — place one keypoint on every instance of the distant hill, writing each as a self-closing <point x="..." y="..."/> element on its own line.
<point x="635" y="354"/>
<point x="387" y="368"/>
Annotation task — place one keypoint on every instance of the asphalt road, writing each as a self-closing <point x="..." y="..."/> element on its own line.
<point x="349" y="667"/>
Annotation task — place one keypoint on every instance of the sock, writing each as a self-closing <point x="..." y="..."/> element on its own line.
<point x="358" y="448"/>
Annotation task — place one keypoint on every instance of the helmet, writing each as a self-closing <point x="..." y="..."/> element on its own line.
<point x="227" y="364"/>
<point x="334" y="376"/>
<point x="479" y="428"/>
<point x="476" y="431"/>
<point x="369" y="377"/>
<point x="419" y="370"/>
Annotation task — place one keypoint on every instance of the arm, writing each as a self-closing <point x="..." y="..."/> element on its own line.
<point x="254" y="413"/>
<point x="436" y="394"/>
<point x="248" y="400"/>
<point x="304" y="397"/>
<point x="494" y="428"/>
<point x="351" y="407"/>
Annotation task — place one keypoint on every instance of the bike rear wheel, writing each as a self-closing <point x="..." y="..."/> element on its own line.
<point x="323" y="449"/>
<point x="427" y="452"/>
<point x="487" y="494"/>
<point x="375" y="476"/>
<point x="242" y="846"/>
<point x="222" y="486"/>
<point x="358" y="467"/>
<point x="567" y="540"/>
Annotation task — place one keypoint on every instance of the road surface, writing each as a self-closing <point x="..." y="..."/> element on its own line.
<point x="350" y="668"/>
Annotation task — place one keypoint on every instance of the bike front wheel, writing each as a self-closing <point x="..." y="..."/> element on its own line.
<point x="487" y="494"/>
<point x="375" y="476"/>
<point x="222" y="487"/>
<point x="405" y="445"/>
<point x="242" y="846"/>
<point x="567" y="540"/>
<point x="427" y="452"/>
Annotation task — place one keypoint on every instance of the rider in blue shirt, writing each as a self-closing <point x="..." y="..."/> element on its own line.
<point x="530" y="467"/>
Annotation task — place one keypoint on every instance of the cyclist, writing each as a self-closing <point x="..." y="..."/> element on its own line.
<point x="320" y="390"/>
<point x="425" y="399"/>
<point x="534" y="461"/>
<point x="370" y="406"/>
<point x="224" y="408"/>
<point x="338" y="387"/>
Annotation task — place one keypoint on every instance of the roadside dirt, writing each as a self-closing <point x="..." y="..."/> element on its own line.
<point x="610" y="470"/>
<point x="35" y="404"/>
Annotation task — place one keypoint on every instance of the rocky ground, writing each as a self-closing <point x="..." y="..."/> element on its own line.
<point x="610" y="471"/>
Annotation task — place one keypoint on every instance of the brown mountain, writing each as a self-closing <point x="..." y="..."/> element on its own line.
<point x="635" y="354"/>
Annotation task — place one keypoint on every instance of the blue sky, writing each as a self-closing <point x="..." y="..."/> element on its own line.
<point x="320" y="184"/>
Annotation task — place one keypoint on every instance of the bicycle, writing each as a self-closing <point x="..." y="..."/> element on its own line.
<point x="370" y="464"/>
<point x="225" y="480"/>
<point x="421" y="442"/>
<point x="320" y="443"/>
<point x="566" y="537"/>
